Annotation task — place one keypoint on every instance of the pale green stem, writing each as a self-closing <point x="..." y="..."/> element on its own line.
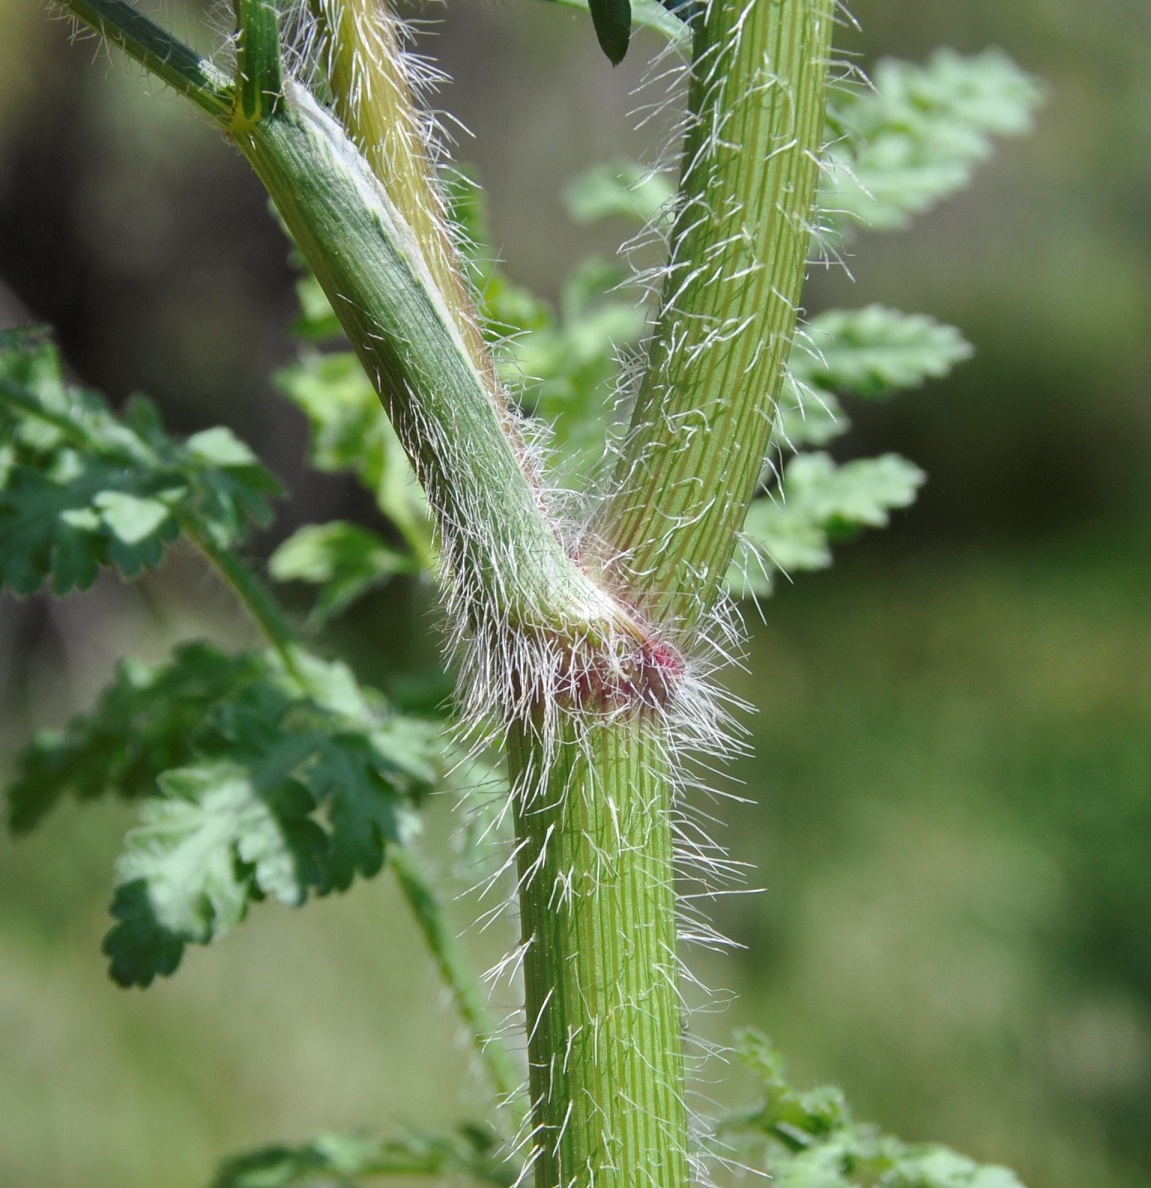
<point x="593" y="826"/>
<point x="705" y="409"/>
<point x="361" y="45"/>
<point x="497" y="539"/>
<point x="601" y="974"/>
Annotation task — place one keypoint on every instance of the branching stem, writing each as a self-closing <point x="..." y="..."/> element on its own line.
<point x="169" y="59"/>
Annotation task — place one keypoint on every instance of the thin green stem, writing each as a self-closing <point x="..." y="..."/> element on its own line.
<point x="458" y="974"/>
<point x="168" y="58"/>
<point x="594" y="795"/>
<point x="255" y="597"/>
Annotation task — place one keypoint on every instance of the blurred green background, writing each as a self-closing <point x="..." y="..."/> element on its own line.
<point x="950" y="798"/>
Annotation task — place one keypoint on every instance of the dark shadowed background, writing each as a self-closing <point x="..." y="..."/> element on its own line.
<point x="951" y="791"/>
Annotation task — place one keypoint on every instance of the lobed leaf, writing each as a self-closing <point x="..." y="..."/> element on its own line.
<point x="344" y="560"/>
<point x="254" y="781"/>
<point x="141" y="725"/>
<point x="806" y="415"/>
<point x="874" y="351"/>
<point x="810" y="1139"/>
<point x="82" y="489"/>
<point x="337" y="1161"/>
<point x="917" y="134"/>
<point x="619" y="189"/>
<point x="819" y="502"/>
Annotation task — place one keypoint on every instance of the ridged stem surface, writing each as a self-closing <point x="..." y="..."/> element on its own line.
<point x="597" y="909"/>
<point x="593" y="826"/>
<point x="705" y="408"/>
<point x="499" y="544"/>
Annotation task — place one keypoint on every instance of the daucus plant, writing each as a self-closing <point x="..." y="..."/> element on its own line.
<point x="588" y="618"/>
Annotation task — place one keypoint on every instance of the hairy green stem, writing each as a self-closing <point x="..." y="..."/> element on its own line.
<point x="456" y="969"/>
<point x="587" y="749"/>
<point x="705" y="409"/>
<point x="594" y="822"/>
<point x="601" y="974"/>
<point x="169" y="59"/>
<point x="361" y="44"/>
<point x="499" y="544"/>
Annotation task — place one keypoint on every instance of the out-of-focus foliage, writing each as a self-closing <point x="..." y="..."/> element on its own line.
<point x="915" y="134"/>
<point x="810" y="1139"/>
<point x="341" y="1161"/>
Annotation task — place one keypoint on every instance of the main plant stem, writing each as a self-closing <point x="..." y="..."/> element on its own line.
<point x="595" y="805"/>
<point x="597" y="909"/>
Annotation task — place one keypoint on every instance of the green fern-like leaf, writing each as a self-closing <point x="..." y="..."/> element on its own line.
<point x="874" y="351"/>
<point x="819" y="503"/>
<point x="344" y="561"/>
<point x="809" y="1139"/>
<point x="916" y="136"/>
<point x="254" y="781"/>
<point x="142" y="725"/>
<point x="82" y="489"/>
<point x="340" y="1161"/>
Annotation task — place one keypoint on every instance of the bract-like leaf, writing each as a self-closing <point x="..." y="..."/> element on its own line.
<point x="612" y="21"/>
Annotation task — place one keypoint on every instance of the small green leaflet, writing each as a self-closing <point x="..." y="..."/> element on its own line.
<point x="806" y="415"/>
<point x="819" y="502"/>
<point x="874" y="351"/>
<point x="344" y="560"/>
<point x="474" y="1152"/>
<point x="916" y="136"/>
<point x="141" y="725"/>
<point x="810" y="1139"/>
<point x="81" y="488"/>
